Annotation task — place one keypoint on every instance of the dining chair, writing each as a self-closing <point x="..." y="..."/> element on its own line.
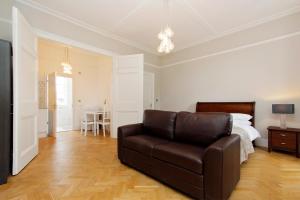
<point x="85" y="122"/>
<point x="104" y="121"/>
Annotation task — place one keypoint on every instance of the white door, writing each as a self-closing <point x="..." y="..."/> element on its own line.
<point x="148" y="90"/>
<point x="43" y="122"/>
<point x="64" y="102"/>
<point x="25" y="91"/>
<point x="127" y="106"/>
<point x="52" y="118"/>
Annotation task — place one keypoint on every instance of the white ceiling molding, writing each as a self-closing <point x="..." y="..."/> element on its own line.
<point x="152" y="65"/>
<point x="198" y="16"/>
<point x="282" y="37"/>
<point x="5" y="21"/>
<point x="244" y="27"/>
<point x="262" y="21"/>
<point x="84" y="25"/>
<point x="138" y="7"/>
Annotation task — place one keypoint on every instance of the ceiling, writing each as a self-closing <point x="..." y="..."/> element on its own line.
<point x="193" y="21"/>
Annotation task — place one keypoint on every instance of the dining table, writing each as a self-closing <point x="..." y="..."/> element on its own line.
<point x="95" y="114"/>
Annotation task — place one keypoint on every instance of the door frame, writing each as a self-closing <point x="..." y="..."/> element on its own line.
<point x="54" y="37"/>
<point x="51" y="108"/>
<point x="153" y="86"/>
<point x="72" y="105"/>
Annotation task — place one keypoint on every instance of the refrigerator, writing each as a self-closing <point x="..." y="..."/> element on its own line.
<point x="6" y="110"/>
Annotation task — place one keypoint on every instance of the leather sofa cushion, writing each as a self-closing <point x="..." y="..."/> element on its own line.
<point x="143" y="143"/>
<point x="202" y="128"/>
<point x="182" y="155"/>
<point x="159" y="123"/>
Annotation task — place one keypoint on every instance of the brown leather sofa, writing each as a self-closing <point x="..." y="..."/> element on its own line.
<point x="192" y="152"/>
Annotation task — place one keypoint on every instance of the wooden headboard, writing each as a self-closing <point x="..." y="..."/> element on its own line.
<point x="228" y="107"/>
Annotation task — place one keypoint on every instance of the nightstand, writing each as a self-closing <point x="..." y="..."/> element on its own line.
<point x="284" y="139"/>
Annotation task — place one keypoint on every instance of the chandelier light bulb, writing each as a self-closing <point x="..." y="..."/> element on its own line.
<point x="67" y="68"/>
<point x="168" y="31"/>
<point x="160" y="48"/>
<point x="160" y="35"/>
<point x="64" y="64"/>
<point x="171" y="46"/>
<point x="167" y="50"/>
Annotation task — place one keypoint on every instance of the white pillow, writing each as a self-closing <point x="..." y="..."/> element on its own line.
<point x="241" y="116"/>
<point x="242" y="122"/>
<point x="244" y="129"/>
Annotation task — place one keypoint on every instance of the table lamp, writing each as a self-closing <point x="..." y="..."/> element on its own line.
<point x="283" y="110"/>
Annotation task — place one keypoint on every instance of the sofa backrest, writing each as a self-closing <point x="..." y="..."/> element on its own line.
<point x="202" y="128"/>
<point x="159" y="123"/>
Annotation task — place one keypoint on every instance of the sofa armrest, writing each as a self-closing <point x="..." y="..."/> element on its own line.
<point x="222" y="167"/>
<point x="125" y="131"/>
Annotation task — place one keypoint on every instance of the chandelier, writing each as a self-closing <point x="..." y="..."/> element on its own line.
<point x="67" y="68"/>
<point x="166" y="45"/>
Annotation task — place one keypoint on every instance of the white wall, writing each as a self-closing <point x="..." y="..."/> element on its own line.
<point x="247" y="66"/>
<point x="5" y="30"/>
<point x="5" y="19"/>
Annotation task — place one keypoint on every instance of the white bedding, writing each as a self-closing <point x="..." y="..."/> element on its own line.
<point x="248" y="134"/>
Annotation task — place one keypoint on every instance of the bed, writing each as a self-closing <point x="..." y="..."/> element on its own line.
<point x="248" y="133"/>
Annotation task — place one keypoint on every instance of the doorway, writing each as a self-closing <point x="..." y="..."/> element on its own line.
<point x="149" y="79"/>
<point x="126" y="87"/>
<point x="64" y="102"/>
<point x="71" y="95"/>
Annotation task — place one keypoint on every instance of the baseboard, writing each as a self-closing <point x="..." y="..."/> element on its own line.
<point x="261" y="142"/>
<point x="43" y="135"/>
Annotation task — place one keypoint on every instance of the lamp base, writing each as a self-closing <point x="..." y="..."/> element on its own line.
<point x="283" y="121"/>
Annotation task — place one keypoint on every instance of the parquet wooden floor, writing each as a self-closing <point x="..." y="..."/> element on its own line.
<point x="73" y="167"/>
